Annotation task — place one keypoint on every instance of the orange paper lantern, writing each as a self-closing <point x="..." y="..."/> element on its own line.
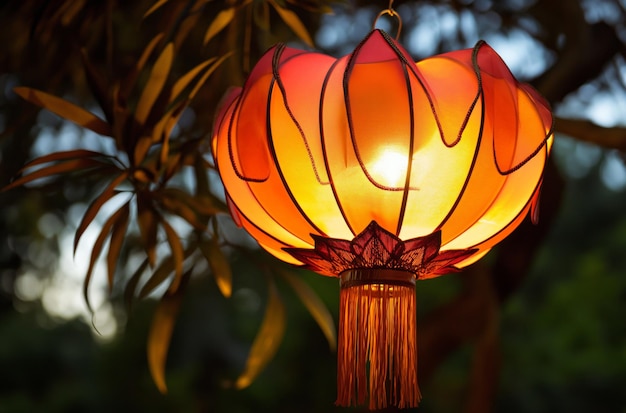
<point x="381" y="171"/>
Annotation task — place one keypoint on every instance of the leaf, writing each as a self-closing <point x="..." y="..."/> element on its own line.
<point x="147" y="220"/>
<point x="166" y="267"/>
<point x="262" y="15"/>
<point x="220" y="267"/>
<point x="187" y="21"/>
<point x="316" y="307"/>
<point x="70" y="12"/>
<point x="141" y="149"/>
<point x="68" y="166"/>
<point x="161" y="332"/>
<point x="132" y="76"/>
<point x="65" y="109"/>
<point x="186" y="79"/>
<point x="201" y="205"/>
<point x="120" y="118"/>
<point x="170" y="119"/>
<point x="206" y="75"/>
<point x="154" y="7"/>
<point x="267" y="340"/>
<point x="222" y="20"/>
<point x="178" y="254"/>
<point x="155" y="83"/>
<point x="96" y="249"/>
<point x="203" y="190"/>
<point x="179" y="208"/>
<point x="293" y="21"/>
<point x="98" y="86"/>
<point x="163" y="129"/>
<point x="131" y="285"/>
<point x="118" y="233"/>
<point x="65" y="155"/>
<point x="95" y="206"/>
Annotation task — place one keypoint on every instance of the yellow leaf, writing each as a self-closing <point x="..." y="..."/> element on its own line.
<point x="221" y="20"/>
<point x="95" y="206"/>
<point x="163" y="271"/>
<point x="155" y="7"/>
<point x="178" y="207"/>
<point x="199" y="204"/>
<point x="206" y="75"/>
<point x="267" y="340"/>
<point x="178" y="254"/>
<point x="161" y="333"/>
<point x="293" y="21"/>
<point x="155" y="84"/>
<point x="315" y="306"/>
<point x="65" y="109"/>
<point x="73" y="165"/>
<point x="99" y="87"/>
<point x="141" y="149"/>
<point x="131" y="284"/>
<point x="70" y="12"/>
<point x="97" y="248"/>
<point x="130" y="79"/>
<point x="118" y="232"/>
<point x="147" y="220"/>
<point x="219" y="265"/>
<point x="184" y="81"/>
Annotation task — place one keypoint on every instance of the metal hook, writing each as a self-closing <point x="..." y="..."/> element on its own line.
<point x="391" y="12"/>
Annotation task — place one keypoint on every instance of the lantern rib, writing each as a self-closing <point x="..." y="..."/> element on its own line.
<point x="544" y="141"/>
<point x="231" y="150"/>
<point x="534" y="153"/>
<point x="503" y="227"/>
<point x="275" y="71"/>
<point x="480" y="95"/>
<point x="433" y="109"/>
<point x="346" y="77"/>
<point x="407" y="179"/>
<point x="263" y="231"/>
<point x="270" y="142"/>
<point x="325" y="153"/>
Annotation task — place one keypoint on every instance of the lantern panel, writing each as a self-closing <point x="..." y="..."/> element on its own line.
<point x="243" y="201"/>
<point x="268" y="242"/>
<point x="518" y="185"/>
<point x="296" y="142"/>
<point x="360" y="200"/>
<point x="453" y="103"/>
<point x="247" y="141"/>
<point x="437" y="165"/>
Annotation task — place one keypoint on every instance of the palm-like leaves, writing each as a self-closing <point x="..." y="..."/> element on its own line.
<point x="147" y="158"/>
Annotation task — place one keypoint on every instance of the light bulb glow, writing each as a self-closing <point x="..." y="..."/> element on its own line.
<point x="390" y="168"/>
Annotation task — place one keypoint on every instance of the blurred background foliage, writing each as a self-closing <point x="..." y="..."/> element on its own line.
<point x="537" y="326"/>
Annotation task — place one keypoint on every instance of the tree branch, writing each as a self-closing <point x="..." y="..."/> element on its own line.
<point x="587" y="131"/>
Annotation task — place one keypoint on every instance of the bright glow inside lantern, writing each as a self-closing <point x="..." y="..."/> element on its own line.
<point x="391" y="167"/>
<point x="381" y="171"/>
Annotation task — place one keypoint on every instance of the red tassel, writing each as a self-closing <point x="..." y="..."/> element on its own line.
<point x="377" y="332"/>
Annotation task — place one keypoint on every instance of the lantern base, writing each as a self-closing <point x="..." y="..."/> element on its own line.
<point x="377" y="332"/>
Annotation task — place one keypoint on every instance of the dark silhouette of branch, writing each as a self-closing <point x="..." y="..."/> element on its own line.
<point x="587" y="131"/>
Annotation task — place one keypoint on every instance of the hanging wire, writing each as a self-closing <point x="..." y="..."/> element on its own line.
<point x="390" y="12"/>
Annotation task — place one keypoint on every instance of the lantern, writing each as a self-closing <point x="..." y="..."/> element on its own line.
<point x="381" y="171"/>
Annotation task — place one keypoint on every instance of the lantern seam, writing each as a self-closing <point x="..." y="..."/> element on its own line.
<point x="276" y="76"/>
<point x="270" y="139"/>
<point x="325" y="152"/>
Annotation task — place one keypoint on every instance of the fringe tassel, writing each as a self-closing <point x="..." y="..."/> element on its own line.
<point x="377" y="331"/>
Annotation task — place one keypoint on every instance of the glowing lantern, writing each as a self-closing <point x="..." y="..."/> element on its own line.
<point x="381" y="171"/>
